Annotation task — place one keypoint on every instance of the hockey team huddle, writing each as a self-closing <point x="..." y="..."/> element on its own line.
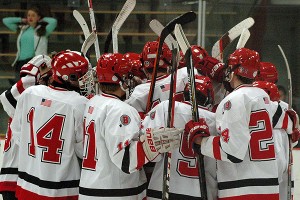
<point x="83" y="132"/>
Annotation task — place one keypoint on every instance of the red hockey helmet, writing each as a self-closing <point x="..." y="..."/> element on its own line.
<point x="198" y="55"/>
<point x="267" y="72"/>
<point x="112" y="68"/>
<point x="203" y="85"/>
<point x="244" y="62"/>
<point x="270" y="88"/>
<point x="149" y="53"/>
<point x="68" y="66"/>
<point x="134" y="61"/>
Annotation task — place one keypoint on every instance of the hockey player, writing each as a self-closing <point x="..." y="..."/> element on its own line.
<point x="282" y="126"/>
<point x="113" y="153"/>
<point x="139" y="97"/>
<point x="244" y="149"/>
<point x="184" y="177"/>
<point x="29" y="74"/>
<point x="48" y="129"/>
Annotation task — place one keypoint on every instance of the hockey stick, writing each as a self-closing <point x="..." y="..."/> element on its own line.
<point x="157" y="28"/>
<point x="88" y="42"/>
<point x="243" y="39"/>
<point x="229" y="36"/>
<point x="186" y="48"/>
<point x="125" y="12"/>
<point x="290" y="92"/>
<point x="94" y="29"/>
<point x="123" y="15"/>
<point x="182" y="19"/>
<point x="81" y="21"/>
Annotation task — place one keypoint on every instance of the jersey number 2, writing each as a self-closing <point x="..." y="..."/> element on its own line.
<point x="48" y="137"/>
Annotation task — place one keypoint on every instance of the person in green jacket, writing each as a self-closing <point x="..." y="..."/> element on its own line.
<point x="33" y="32"/>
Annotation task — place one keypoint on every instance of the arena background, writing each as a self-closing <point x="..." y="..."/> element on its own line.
<point x="276" y="22"/>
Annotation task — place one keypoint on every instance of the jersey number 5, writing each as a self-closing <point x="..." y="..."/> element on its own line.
<point x="48" y="137"/>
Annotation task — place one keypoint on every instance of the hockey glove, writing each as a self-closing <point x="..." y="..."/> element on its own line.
<point x="156" y="141"/>
<point x="212" y="68"/>
<point x="194" y="130"/>
<point x="33" y="66"/>
<point x="294" y="117"/>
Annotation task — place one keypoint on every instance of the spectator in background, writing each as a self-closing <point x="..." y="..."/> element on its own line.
<point x="282" y="92"/>
<point x="33" y="32"/>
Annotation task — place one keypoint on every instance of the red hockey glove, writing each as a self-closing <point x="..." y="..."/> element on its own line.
<point x="295" y="135"/>
<point x="32" y="67"/>
<point x="194" y="130"/>
<point x="212" y="68"/>
<point x="294" y="117"/>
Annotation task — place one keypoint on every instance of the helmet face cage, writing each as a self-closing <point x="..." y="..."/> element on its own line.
<point x="270" y="88"/>
<point x="149" y="54"/>
<point x="112" y="68"/>
<point x="87" y="83"/>
<point x="244" y="62"/>
<point x="267" y="72"/>
<point x="68" y="66"/>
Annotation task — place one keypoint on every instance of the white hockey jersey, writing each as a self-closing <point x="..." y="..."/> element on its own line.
<point x="9" y="167"/>
<point x="139" y="96"/>
<point x="48" y="127"/>
<point x="247" y="167"/>
<point x="113" y="156"/>
<point x="184" y="178"/>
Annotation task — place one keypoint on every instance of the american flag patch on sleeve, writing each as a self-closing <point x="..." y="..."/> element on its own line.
<point x="46" y="102"/>
<point x="165" y="87"/>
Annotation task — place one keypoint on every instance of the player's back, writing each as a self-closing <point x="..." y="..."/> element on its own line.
<point x="184" y="179"/>
<point x="248" y="166"/>
<point x="111" y="173"/>
<point x="48" y="129"/>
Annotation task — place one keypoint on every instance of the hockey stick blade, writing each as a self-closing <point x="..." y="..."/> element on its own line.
<point x="81" y="21"/>
<point x="243" y="39"/>
<point x="181" y="38"/>
<point x="228" y="37"/>
<point x="123" y="15"/>
<point x="157" y="28"/>
<point x="88" y="42"/>
<point x="290" y="90"/>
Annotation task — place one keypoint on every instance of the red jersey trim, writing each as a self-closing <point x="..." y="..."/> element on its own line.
<point x="140" y="155"/>
<point x="159" y="78"/>
<point x="27" y="195"/>
<point x="57" y="88"/>
<point x="20" y="86"/>
<point x="8" y="186"/>
<point x="216" y="147"/>
<point x="109" y="96"/>
<point x="253" y="197"/>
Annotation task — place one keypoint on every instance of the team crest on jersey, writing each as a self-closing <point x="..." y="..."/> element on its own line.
<point x="125" y="120"/>
<point x="225" y="135"/>
<point x="227" y="105"/>
<point x="152" y="115"/>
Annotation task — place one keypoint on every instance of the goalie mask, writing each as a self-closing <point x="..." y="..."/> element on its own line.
<point x="149" y="54"/>
<point x="204" y="91"/>
<point x="68" y="66"/>
<point x="270" y="88"/>
<point x="267" y="72"/>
